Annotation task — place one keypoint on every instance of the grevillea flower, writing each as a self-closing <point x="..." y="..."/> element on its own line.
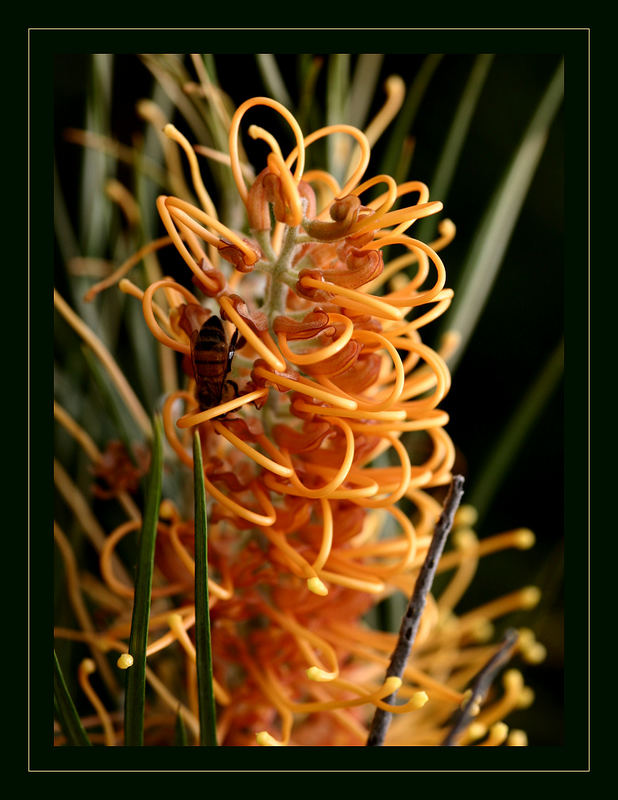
<point x="301" y="341"/>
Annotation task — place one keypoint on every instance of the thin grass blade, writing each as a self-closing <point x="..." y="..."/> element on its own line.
<point x="67" y="713"/>
<point x="492" y="473"/>
<point x="494" y="232"/>
<point x="363" y="87"/>
<point x="338" y="146"/>
<point x="203" y="651"/>
<point x="136" y="674"/>
<point x="95" y="207"/>
<point x="449" y="157"/>
<point x="127" y="432"/>
<point x="309" y="68"/>
<point x="180" y="732"/>
<point x="273" y="79"/>
<point x="407" y="115"/>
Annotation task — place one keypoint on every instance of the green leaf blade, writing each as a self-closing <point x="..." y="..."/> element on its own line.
<point x="493" y="235"/>
<point x="136" y="674"/>
<point x="180" y="732"/>
<point x="516" y="432"/>
<point x="205" y="690"/>
<point x="66" y="712"/>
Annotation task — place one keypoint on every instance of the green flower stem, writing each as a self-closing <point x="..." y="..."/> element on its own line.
<point x="407" y="115"/>
<point x="66" y="712"/>
<point x="180" y="732"/>
<point x="203" y="650"/>
<point x="136" y="674"/>
<point x="516" y="432"/>
<point x="456" y="137"/>
<point x="281" y="275"/>
<point x="273" y="79"/>
<point x="494" y="232"/>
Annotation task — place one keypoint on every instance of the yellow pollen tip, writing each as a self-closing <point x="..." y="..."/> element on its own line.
<point x="513" y="680"/>
<point x="167" y="510"/>
<point x="526" y="697"/>
<point x="264" y="739"/>
<point x="484" y="631"/>
<point x="169" y="130"/>
<point x="419" y="699"/>
<point x="476" y="731"/>
<point x="517" y="738"/>
<point x="525" y="539"/>
<point x="392" y="684"/>
<point x="525" y="637"/>
<point x="466" y="516"/>
<point x="88" y="666"/>
<point x="320" y="675"/>
<point x="316" y="586"/>
<point x="530" y="596"/>
<point x="125" y="661"/>
<point x="535" y="653"/>
<point x="464" y="539"/>
<point x="449" y="344"/>
<point x="498" y="732"/>
<point x="474" y="710"/>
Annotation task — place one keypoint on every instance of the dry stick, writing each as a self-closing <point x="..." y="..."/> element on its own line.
<point x="411" y="620"/>
<point x="479" y="687"/>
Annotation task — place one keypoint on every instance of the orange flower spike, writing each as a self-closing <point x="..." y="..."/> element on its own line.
<point x="325" y="392"/>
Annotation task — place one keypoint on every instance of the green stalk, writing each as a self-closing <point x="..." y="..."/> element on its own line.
<point x="309" y="69"/>
<point x="338" y="82"/>
<point x="203" y="651"/>
<point x="180" y="732"/>
<point x="407" y="115"/>
<point x="516" y="432"/>
<point x="111" y="402"/>
<point x="363" y="87"/>
<point x="272" y="78"/>
<point x="95" y="207"/>
<point x="494" y="233"/>
<point x="66" y="712"/>
<point x="449" y="157"/>
<point x="136" y="674"/>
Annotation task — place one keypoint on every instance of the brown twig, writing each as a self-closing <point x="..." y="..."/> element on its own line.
<point x="479" y="687"/>
<point x="411" y="620"/>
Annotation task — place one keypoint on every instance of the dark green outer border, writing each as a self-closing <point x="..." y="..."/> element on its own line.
<point x="574" y="43"/>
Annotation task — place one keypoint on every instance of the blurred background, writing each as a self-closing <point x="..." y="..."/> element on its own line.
<point x="460" y="131"/>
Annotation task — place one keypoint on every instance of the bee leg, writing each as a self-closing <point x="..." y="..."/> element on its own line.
<point x="231" y="389"/>
<point x="236" y="343"/>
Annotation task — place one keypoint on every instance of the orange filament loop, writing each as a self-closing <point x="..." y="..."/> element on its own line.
<point x="273" y="358"/>
<point x="321" y="353"/>
<point x="149" y="315"/>
<point x="233" y="140"/>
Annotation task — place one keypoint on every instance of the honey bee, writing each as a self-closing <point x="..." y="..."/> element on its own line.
<point x="211" y="357"/>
